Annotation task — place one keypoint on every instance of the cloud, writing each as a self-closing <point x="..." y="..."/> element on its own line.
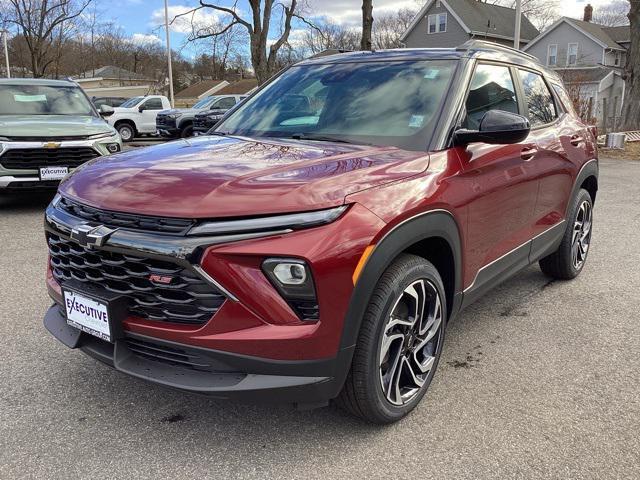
<point x="182" y="24"/>
<point x="349" y="12"/>
<point x="145" y="39"/>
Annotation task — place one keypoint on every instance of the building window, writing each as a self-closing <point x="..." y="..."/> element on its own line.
<point x="437" y="3"/>
<point x="572" y="54"/>
<point x="552" y="55"/>
<point x="616" y="59"/>
<point x="437" y="23"/>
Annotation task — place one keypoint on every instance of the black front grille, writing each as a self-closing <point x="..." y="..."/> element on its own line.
<point x="32" y="158"/>
<point x="169" y="355"/>
<point x="19" y="185"/>
<point x="186" y="299"/>
<point x="47" y="139"/>
<point x="202" y="122"/>
<point x="164" y="121"/>
<point x="148" y="223"/>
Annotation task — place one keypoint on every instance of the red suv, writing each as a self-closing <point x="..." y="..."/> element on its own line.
<point x="316" y="244"/>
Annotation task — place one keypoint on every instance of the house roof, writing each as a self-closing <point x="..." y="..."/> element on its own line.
<point x="198" y="89"/>
<point x="238" y="88"/>
<point x="604" y="36"/>
<point x="620" y="34"/>
<point x="583" y="75"/>
<point x="480" y="19"/>
<point x="111" y="71"/>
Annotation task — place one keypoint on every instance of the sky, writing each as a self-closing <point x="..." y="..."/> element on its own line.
<point x="144" y="19"/>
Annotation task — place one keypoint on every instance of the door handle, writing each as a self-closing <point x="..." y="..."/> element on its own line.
<point x="527" y="153"/>
<point x="576" y="140"/>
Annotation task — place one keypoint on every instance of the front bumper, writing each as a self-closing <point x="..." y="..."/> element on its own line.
<point x="166" y="132"/>
<point x="218" y="374"/>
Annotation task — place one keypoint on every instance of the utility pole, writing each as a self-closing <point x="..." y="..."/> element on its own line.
<point x="6" y="51"/>
<point x="516" y="34"/>
<point x="166" y="26"/>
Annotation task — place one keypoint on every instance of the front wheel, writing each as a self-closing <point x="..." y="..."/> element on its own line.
<point x="399" y="344"/>
<point x="186" y="131"/>
<point x="567" y="262"/>
<point x="126" y="132"/>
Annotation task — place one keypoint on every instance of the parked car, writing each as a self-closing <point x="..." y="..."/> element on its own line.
<point x="204" y="120"/>
<point x="111" y="101"/>
<point x="48" y="128"/>
<point x="179" y="122"/>
<point x="137" y="116"/>
<point x="316" y="245"/>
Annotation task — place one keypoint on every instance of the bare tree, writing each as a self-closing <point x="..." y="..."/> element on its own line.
<point x="389" y="28"/>
<point x="42" y="23"/>
<point x="367" y="25"/>
<point x="541" y="13"/>
<point x="326" y="35"/>
<point x="612" y="15"/>
<point x="263" y="59"/>
<point x="631" y="114"/>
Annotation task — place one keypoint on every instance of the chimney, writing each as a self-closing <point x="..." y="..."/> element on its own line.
<point x="588" y="13"/>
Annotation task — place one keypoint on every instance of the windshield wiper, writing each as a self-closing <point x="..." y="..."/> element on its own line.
<point x="319" y="138"/>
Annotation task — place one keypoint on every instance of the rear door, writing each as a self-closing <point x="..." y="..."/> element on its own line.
<point x="500" y="183"/>
<point x="557" y="138"/>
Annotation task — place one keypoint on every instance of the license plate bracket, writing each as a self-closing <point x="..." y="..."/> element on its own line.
<point x="94" y="310"/>
<point x="53" y="173"/>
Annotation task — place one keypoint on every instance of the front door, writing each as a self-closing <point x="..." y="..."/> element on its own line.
<point x="501" y="185"/>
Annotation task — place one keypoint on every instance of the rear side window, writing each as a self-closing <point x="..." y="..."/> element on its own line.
<point x="153" y="104"/>
<point x="491" y="89"/>
<point x="564" y="98"/>
<point x="539" y="100"/>
<point x="224" y="103"/>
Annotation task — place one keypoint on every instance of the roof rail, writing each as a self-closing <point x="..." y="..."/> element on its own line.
<point x="473" y="44"/>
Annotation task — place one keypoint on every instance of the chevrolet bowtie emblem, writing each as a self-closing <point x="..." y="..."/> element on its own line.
<point x="91" y="236"/>
<point x="51" y="145"/>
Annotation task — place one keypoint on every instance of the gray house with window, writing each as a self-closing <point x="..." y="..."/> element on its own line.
<point x="589" y="58"/>
<point x="449" y="23"/>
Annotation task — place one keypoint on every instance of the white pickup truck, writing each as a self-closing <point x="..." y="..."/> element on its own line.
<point x="138" y="115"/>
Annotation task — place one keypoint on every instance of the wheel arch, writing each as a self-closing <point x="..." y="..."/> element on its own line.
<point x="434" y="236"/>
<point x="127" y="121"/>
<point x="587" y="178"/>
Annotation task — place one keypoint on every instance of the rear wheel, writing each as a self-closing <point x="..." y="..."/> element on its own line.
<point x="567" y="262"/>
<point x="126" y="131"/>
<point x="400" y="343"/>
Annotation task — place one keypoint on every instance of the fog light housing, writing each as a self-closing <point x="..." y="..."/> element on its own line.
<point x="113" y="147"/>
<point x="293" y="280"/>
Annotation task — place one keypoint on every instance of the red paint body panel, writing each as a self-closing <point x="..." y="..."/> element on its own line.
<point x="209" y="177"/>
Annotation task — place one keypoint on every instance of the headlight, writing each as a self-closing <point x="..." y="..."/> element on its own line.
<point x="292" y="221"/>
<point x="173" y="116"/>
<point x="101" y="135"/>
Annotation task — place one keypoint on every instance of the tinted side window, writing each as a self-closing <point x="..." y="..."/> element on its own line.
<point x="153" y="104"/>
<point x="491" y="89"/>
<point x="565" y="99"/>
<point x="224" y="103"/>
<point x="540" y="104"/>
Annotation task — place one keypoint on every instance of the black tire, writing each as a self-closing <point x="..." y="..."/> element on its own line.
<point x="561" y="264"/>
<point x="187" y="131"/>
<point x="127" y="131"/>
<point x="363" y="394"/>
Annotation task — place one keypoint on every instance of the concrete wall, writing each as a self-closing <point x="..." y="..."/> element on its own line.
<point x="589" y="52"/>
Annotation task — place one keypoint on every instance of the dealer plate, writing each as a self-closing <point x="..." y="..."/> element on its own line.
<point x="53" y="173"/>
<point x="88" y="314"/>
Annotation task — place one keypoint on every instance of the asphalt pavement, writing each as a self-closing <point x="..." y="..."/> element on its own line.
<point x="539" y="379"/>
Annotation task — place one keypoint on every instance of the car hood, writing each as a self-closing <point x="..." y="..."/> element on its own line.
<point x="51" y="125"/>
<point x="212" y="176"/>
<point x="183" y="111"/>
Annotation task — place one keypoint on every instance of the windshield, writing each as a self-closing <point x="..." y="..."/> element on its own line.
<point x="43" y="100"/>
<point x="204" y="102"/>
<point x="132" y="102"/>
<point x="380" y="103"/>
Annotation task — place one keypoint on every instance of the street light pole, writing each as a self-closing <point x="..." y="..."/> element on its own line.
<point x="6" y="52"/>
<point x="516" y="34"/>
<point x="166" y="26"/>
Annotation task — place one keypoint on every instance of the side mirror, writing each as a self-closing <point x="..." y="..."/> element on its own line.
<point x="141" y="108"/>
<point x="106" y="111"/>
<point x="496" y="127"/>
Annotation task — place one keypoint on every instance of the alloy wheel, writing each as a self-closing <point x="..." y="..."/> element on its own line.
<point x="410" y="342"/>
<point x="581" y="235"/>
